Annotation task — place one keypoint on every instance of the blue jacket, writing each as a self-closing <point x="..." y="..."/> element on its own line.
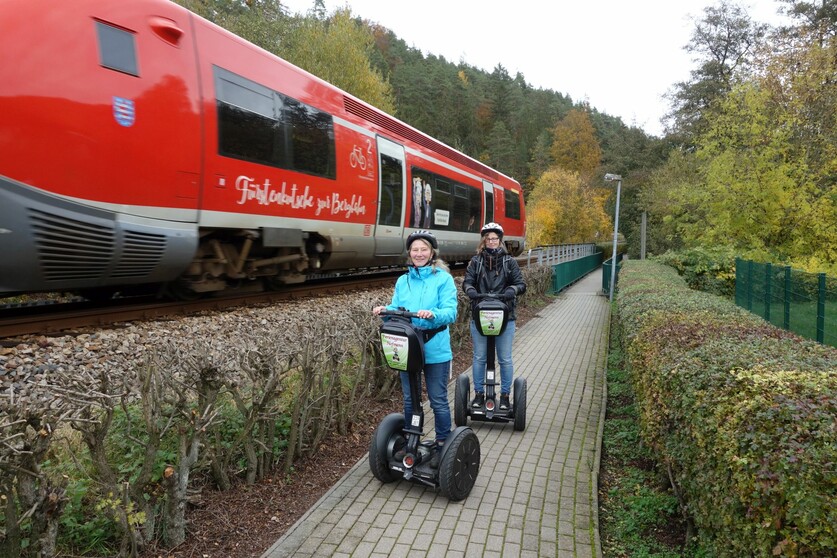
<point x="428" y="288"/>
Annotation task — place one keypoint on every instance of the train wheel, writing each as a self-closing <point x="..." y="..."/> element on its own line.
<point x="460" y="400"/>
<point x="520" y="404"/>
<point x="386" y="440"/>
<point x="460" y="464"/>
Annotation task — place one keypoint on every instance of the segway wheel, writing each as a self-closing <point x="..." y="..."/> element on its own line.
<point x="386" y="440"/>
<point x="460" y="464"/>
<point x="460" y="400"/>
<point x="520" y="404"/>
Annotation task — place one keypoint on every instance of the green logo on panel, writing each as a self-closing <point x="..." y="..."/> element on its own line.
<point x="395" y="350"/>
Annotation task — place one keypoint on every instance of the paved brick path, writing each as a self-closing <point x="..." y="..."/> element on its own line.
<point x="535" y="495"/>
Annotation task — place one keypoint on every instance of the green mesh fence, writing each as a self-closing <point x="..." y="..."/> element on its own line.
<point x="805" y="303"/>
<point x="566" y="273"/>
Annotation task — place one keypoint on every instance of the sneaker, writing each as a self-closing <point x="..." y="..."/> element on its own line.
<point x="479" y="400"/>
<point x="504" y="401"/>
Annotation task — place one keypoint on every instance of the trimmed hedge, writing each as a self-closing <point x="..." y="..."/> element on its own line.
<point x="743" y="415"/>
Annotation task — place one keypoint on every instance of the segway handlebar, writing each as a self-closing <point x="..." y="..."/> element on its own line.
<point x="399" y="313"/>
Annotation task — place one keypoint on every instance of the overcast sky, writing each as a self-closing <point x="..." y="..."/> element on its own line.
<point x="619" y="56"/>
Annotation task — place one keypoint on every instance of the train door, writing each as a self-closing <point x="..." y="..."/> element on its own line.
<point x="390" y="222"/>
<point x="488" y="188"/>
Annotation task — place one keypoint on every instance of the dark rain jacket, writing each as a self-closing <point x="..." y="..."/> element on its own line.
<point x="494" y="274"/>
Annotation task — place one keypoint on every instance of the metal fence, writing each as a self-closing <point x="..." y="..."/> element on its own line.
<point x="566" y="273"/>
<point x="570" y="262"/>
<point x="559" y="253"/>
<point x="798" y="301"/>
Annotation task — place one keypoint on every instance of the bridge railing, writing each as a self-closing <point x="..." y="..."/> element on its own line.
<point x="559" y="253"/>
<point x="569" y="262"/>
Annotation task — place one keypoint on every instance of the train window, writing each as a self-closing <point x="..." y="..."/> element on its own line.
<point x="117" y="50"/>
<point x="512" y="204"/>
<point x="312" y="138"/>
<point x="264" y="126"/>
<point x="461" y="208"/>
<point x="441" y="205"/>
<point x="392" y="191"/>
<point x="489" y="206"/>
<point x="474" y="223"/>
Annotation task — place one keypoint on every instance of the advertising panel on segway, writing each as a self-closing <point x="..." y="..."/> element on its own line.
<point x="490" y="317"/>
<point x="396" y="449"/>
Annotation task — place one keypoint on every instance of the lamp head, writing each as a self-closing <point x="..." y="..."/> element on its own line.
<point x="611" y="177"/>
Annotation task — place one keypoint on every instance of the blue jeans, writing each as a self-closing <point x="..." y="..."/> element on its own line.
<point x="436" y="377"/>
<point x="503" y="346"/>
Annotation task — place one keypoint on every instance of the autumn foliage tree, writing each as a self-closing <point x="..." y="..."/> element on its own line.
<point x="574" y="144"/>
<point x="563" y="209"/>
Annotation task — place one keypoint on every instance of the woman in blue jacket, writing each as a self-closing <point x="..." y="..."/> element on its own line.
<point x="428" y="290"/>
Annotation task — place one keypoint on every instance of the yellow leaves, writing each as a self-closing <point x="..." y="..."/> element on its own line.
<point x="563" y="209"/>
<point x="574" y="145"/>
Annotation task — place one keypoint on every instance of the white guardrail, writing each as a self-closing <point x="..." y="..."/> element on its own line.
<point x="551" y="255"/>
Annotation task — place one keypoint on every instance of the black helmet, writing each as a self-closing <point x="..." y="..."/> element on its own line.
<point x="492" y="227"/>
<point x="425" y="235"/>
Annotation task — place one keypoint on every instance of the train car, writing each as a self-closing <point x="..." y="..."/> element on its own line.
<point x="143" y="145"/>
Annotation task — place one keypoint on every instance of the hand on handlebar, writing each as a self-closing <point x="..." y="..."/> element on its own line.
<point x="382" y="311"/>
<point x="509" y="294"/>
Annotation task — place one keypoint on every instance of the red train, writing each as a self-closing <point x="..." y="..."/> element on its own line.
<point x="143" y="145"/>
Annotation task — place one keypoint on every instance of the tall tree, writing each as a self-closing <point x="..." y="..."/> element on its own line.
<point x="501" y="153"/>
<point x="723" y="43"/>
<point x="338" y="51"/>
<point x="563" y="209"/>
<point x="575" y="146"/>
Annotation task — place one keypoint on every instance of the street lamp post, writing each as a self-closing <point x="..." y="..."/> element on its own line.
<point x="618" y="178"/>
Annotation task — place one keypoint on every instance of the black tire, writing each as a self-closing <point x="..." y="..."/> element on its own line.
<point x="386" y="440"/>
<point x="520" y="404"/>
<point x="460" y="464"/>
<point x="460" y="401"/>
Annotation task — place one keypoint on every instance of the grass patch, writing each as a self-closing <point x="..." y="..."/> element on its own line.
<point x="638" y="513"/>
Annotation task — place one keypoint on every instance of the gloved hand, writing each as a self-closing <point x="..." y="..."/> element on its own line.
<point x="471" y="292"/>
<point x="509" y="294"/>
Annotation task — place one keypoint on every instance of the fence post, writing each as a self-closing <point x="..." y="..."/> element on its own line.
<point x="821" y="309"/>
<point x="750" y="285"/>
<point x="786" y="323"/>
<point x="768" y="282"/>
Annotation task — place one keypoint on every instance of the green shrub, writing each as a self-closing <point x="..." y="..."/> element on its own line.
<point x="711" y="270"/>
<point x="741" y="412"/>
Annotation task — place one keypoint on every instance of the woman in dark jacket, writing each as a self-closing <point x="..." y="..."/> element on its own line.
<point x="493" y="270"/>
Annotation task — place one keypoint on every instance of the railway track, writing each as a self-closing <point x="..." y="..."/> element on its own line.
<point x="60" y="318"/>
<point x="57" y="319"/>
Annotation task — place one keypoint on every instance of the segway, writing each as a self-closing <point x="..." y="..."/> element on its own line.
<point x="491" y="317"/>
<point x="459" y="461"/>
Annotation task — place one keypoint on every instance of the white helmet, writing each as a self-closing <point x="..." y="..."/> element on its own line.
<point x="492" y="227"/>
